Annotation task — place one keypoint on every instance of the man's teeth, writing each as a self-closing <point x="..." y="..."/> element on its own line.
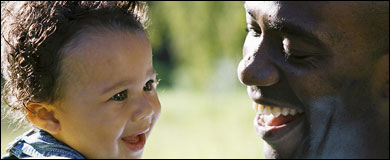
<point x="275" y="111"/>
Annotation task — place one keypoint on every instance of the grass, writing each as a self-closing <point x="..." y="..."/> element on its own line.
<point x="195" y="125"/>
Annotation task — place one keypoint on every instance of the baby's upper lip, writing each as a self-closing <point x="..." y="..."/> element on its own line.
<point x="141" y="131"/>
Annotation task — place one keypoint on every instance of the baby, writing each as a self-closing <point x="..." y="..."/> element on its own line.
<point x="81" y="73"/>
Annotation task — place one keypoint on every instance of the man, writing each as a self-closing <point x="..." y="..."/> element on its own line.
<point x="318" y="73"/>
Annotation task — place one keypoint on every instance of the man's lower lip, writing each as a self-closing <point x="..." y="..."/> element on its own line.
<point x="275" y="133"/>
<point x="138" y="145"/>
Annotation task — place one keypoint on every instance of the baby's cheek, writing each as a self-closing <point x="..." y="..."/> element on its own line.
<point x="116" y="149"/>
<point x="156" y="107"/>
<point x="107" y="148"/>
<point x="104" y="139"/>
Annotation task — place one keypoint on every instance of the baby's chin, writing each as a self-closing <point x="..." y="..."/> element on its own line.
<point x="118" y="151"/>
<point x="122" y="155"/>
<point x="127" y="154"/>
<point x="131" y="155"/>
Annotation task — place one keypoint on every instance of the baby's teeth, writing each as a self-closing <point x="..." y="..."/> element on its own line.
<point x="267" y="110"/>
<point x="285" y="111"/>
<point x="261" y="108"/>
<point x="276" y="111"/>
<point x="293" y="111"/>
<point x="255" y="106"/>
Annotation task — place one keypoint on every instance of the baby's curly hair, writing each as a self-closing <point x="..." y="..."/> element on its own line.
<point x="35" y="34"/>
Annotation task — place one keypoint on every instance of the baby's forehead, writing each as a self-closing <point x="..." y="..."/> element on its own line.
<point x="102" y="56"/>
<point x="98" y="43"/>
<point x="89" y="35"/>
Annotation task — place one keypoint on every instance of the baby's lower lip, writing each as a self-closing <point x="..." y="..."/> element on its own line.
<point x="135" y="143"/>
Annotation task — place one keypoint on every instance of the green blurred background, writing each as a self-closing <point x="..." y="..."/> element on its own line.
<point x="206" y="112"/>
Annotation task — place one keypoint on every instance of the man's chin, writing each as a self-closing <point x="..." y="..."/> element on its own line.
<point x="285" y="142"/>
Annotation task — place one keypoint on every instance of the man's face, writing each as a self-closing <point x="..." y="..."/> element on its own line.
<point x="316" y="78"/>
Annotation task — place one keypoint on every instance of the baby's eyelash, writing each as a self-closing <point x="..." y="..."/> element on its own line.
<point x="150" y="85"/>
<point x="119" y="96"/>
<point x="157" y="81"/>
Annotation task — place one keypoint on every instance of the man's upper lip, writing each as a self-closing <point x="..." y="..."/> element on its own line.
<point x="269" y="99"/>
<point x="274" y="103"/>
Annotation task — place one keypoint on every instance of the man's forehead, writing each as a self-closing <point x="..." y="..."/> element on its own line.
<point x="282" y="8"/>
<point x="289" y="18"/>
<point x="285" y="9"/>
<point x="261" y="7"/>
<point x="274" y="13"/>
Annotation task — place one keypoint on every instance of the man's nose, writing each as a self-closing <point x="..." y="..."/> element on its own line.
<point x="144" y="109"/>
<point x="257" y="69"/>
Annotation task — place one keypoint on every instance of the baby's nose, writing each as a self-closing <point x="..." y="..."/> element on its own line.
<point x="144" y="110"/>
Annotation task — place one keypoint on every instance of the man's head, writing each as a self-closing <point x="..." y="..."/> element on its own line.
<point x="329" y="60"/>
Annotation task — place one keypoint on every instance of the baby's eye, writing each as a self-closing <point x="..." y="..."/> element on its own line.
<point x="120" y="96"/>
<point x="149" y="85"/>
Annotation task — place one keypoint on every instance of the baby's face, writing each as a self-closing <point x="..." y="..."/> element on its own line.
<point x="110" y="103"/>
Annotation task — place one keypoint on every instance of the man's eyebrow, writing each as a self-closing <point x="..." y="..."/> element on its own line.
<point x="251" y="14"/>
<point x="295" y="30"/>
<point x="249" y="11"/>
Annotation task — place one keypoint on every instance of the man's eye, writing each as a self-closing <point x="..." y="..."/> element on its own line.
<point x="254" y="29"/>
<point x="255" y="32"/>
<point x="120" y="96"/>
<point x="291" y="54"/>
<point x="294" y="56"/>
<point x="149" y="85"/>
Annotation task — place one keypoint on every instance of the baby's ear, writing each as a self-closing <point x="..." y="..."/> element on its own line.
<point x="384" y="63"/>
<point x="42" y="116"/>
<point x="380" y="84"/>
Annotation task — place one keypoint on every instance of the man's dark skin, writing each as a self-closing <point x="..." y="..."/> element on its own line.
<point x="330" y="59"/>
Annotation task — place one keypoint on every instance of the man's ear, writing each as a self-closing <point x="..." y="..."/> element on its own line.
<point x="42" y="116"/>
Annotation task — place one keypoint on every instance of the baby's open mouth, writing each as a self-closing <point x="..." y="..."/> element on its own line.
<point x="136" y="142"/>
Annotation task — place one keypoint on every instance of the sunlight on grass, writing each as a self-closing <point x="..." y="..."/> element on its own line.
<point x="195" y="125"/>
<point x="198" y="125"/>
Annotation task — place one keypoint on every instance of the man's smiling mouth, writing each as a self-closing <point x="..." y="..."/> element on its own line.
<point x="274" y="123"/>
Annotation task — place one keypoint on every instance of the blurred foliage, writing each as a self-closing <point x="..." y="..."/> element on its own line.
<point x="197" y="45"/>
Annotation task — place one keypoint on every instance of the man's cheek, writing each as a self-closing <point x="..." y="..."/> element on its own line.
<point x="322" y="116"/>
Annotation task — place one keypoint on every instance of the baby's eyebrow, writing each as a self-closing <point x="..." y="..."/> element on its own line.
<point x="151" y="71"/>
<point x="116" y="85"/>
<point x="124" y="83"/>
